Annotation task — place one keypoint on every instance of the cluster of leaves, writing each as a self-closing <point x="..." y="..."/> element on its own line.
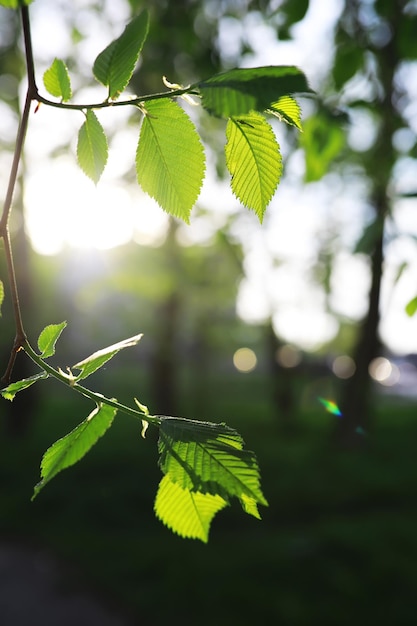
<point x="204" y="464"/>
<point x="170" y="161"/>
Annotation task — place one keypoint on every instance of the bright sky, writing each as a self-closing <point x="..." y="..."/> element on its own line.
<point x="65" y="209"/>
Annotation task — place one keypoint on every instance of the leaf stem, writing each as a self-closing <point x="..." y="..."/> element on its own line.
<point x="98" y="398"/>
<point x="137" y="101"/>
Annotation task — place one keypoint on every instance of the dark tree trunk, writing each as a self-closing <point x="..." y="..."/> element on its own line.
<point x="356" y="402"/>
<point x="164" y="361"/>
<point x="282" y="379"/>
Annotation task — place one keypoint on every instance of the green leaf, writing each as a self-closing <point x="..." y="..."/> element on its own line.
<point x="323" y="140"/>
<point x="240" y="91"/>
<point x="92" y="150"/>
<point x="405" y="35"/>
<point x="48" y="338"/>
<point x="411" y="307"/>
<point x="254" y="161"/>
<point x="14" y="4"/>
<point x="187" y="513"/>
<point x="287" y="109"/>
<point x="57" y="81"/>
<point x="370" y="235"/>
<point x="1" y="295"/>
<point x="170" y="162"/>
<point x="208" y="458"/>
<point x="348" y="61"/>
<point x="71" y="448"/>
<point x="249" y="506"/>
<point x="115" y="64"/>
<point x="290" y="12"/>
<point x="11" y="390"/>
<point x="400" y="271"/>
<point x="96" y="360"/>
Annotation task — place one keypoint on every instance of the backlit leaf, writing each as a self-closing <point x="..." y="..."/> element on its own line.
<point x="288" y="110"/>
<point x="57" y="81"/>
<point x="71" y="448"/>
<point x="170" y="160"/>
<point x="254" y="161"/>
<point x="249" y="506"/>
<point x="48" y="338"/>
<point x="1" y="295"/>
<point x="92" y="150"/>
<point x="115" y="65"/>
<point x="242" y="90"/>
<point x="208" y="458"/>
<point x="11" y="390"/>
<point x="185" y="512"/>
<point x="96" y="360"/>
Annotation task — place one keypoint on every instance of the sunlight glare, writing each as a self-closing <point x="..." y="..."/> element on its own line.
<point x="73" y="212"/>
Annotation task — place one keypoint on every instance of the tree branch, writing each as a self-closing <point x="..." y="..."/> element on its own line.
<point x="134" y="101"/>
<point x="20" y="338"/>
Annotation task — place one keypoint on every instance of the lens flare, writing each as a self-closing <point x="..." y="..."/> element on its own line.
<point x="360" y="431"/>
<point x="331" y="407"/>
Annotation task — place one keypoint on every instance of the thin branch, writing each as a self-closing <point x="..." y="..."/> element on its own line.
<point x="20" y="140"/>
<point x="70" y="381"/>
<point x="135" y="101"/>
<point x="30" y="65"/>
<point x="20" y="338"/>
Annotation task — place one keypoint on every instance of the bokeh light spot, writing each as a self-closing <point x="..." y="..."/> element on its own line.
<point x="288" y="356"/>
<point x="384" y="372"/>
<point x="244" y="360"/>
<point x="343" y="366"/>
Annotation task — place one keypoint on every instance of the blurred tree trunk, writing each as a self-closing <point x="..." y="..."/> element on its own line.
<point x="356" y="401"/>
<point x="282" y="383"/>
<point x="164" y="361"/>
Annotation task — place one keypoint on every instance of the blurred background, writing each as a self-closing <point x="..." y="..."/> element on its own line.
<point x="295" y="332"/>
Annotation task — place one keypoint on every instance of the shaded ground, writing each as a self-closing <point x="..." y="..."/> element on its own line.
<point x="35" y="590"/>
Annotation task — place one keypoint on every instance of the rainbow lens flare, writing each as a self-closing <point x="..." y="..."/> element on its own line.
<point x="331" y="407"/>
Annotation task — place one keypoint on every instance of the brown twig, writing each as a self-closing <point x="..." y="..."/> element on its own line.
<point x="31" y="94"/>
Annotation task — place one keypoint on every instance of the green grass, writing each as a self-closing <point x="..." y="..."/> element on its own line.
<point x="336" y="546"/>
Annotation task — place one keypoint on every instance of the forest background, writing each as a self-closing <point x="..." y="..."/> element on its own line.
<point x="318" y="293"/>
